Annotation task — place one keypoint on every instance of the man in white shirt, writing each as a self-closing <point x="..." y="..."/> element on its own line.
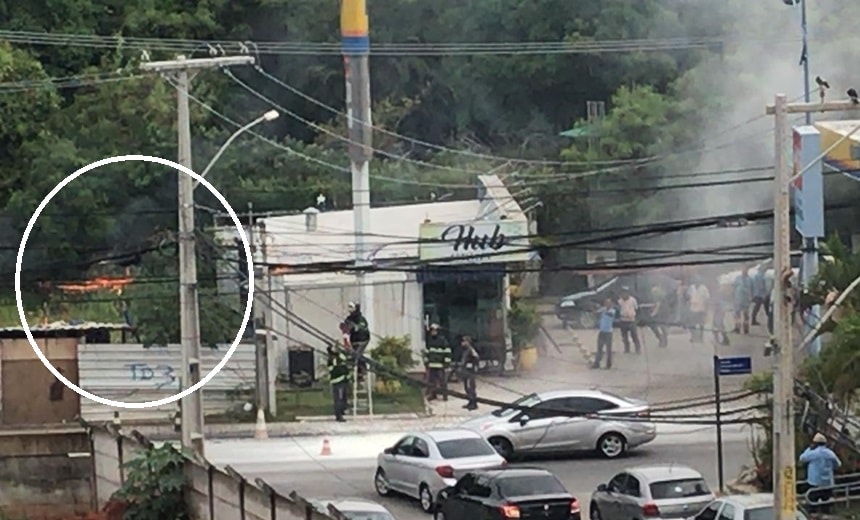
<point x="628" y="307"/>
<point x="699" y="299"/>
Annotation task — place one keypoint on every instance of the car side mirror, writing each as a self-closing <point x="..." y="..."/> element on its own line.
<point x="524" y="419"/>
<point x="602" y="488"/>
<point x="388" y="451"/>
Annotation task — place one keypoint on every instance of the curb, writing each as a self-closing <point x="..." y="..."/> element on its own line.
<point x="587" y="355"/>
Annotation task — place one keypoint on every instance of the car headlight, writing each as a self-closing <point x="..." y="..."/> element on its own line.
<point x="567" y="304"/>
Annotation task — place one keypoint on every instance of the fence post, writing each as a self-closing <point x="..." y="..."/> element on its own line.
<point x="273" y="497"/>
<point x="119" y="458"/>
<point x="210" y="490"/>
<point x="240" y="480"/>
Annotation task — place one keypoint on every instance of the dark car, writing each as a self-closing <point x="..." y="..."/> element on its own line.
<point x="580" y="309"/>
<point x="509" y="493"/>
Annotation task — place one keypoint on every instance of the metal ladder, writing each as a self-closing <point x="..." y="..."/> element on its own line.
<point x="362" y="394"/>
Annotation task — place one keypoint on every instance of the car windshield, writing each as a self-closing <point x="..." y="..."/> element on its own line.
<point x="461" y="448"/>
<point x="766" y="513"/>
<point x="668" y="489"/>
<point x="523" y="402"/>
<point x="530" y="485"/>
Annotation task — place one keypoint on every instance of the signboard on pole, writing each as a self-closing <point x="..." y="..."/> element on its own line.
<point x="475" y="242"/>
<point x="734" y="366"/>
<point x="808" y="189"/>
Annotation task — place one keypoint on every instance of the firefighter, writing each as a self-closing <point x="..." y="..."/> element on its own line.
<point x="469" y="367"/>
<point x="338" y="374"/>
<point x="359" y="336"/>
<point x="437" y="359"/>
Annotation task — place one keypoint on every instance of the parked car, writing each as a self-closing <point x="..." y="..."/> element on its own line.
<point x="536" y="424"/>
<point x="510" y="493"/>
<point x="353" y="508"/>
<point x="580" y="309"/>
<point x="421" y="464"/>
<point x="659" y="491"/>
<point x="758" y="506"/>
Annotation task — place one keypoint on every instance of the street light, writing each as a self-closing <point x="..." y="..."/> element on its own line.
<point x="804" y="54"/>
<point x="271" y="115"/>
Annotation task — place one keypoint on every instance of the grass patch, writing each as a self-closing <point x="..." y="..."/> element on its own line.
<point x="85" y="311"/>
<point x="318" y="402"/>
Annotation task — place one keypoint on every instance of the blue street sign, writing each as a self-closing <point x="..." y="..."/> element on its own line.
<point x="733" y="366"/>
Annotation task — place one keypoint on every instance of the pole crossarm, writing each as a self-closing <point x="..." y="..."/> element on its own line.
<point x="806" y="108"/>
<point x="195" y="64"/>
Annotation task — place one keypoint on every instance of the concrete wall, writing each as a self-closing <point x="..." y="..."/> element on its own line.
<point x="213" y="493"/>
<point x="45" y="474"/>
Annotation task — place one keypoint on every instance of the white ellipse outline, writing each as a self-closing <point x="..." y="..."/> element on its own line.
<point x="248" y="306"/>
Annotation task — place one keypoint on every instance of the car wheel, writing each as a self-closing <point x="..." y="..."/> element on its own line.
<point x="426" y="498"/>
<point x="593" y="512"/>
<point x="380" y="482"/>
<point x="586" y="320"/>
<point x="502" y="446"/>
<point x="612" y="445"/>
<point x="438" y="515"/>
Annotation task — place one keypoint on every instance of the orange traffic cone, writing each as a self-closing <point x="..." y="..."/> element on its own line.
<point x="260" y="432"/>
<point x="326" y="447"/>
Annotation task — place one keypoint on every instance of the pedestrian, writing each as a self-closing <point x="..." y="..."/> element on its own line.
<point x="628" y="308"/>
<point x="681" y="304"/>
<point x="742" y="301"/>
<point x="761" y="295"/>
<point x="720" y="308"/>
<point x="606" y="319"/>
<point x="659" y="315"/>
<point x="437" y="359"/>
<point x="338" y="376"/>
<point x="359" y="336"/>
<point x="699" y="300"/>
<point x="469" y="368"/>
<point x="821" y="463"/>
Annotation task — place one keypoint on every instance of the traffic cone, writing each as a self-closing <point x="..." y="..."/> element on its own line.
<point x="326" y="447"/>
<point x="261" y="433"/>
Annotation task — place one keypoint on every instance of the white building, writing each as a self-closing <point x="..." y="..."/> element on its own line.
<point x="442" y="262"/>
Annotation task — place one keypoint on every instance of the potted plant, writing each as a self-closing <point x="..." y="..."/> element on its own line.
<point x="524" y="322"/>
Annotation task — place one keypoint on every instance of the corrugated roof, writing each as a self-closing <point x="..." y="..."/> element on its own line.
<point x="63" y="326"/>
<point x="393" y="232"/>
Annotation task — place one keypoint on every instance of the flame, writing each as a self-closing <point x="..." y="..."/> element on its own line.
<point x="101" y="283"/>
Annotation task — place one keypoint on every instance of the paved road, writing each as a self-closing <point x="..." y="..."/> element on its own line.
<point x="294" y="463"/>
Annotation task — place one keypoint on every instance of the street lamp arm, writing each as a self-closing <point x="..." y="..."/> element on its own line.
<point x="268" y="116"/>
<point x="830" y="312"/>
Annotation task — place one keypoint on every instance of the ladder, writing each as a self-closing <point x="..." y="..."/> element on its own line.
<point x="362" y="393"/>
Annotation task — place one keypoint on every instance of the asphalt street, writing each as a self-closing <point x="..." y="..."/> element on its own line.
<point x="295" y="463"/>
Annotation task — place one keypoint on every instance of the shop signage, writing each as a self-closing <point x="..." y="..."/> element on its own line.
<point x="479" y="241"/>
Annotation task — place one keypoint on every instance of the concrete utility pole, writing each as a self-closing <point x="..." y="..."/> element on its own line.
<point x="784" y="455"/>
<point x="355" y="42"/>
<point x="192" y="405"/>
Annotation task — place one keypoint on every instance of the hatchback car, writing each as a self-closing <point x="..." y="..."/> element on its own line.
<point x="538" y="423"/>
<point x="758" y="506"/>
<point x="421" y="464"/>
<point x="661" y="491"/>
<point x="353" y="508"/>
<point x="507" y="493"/>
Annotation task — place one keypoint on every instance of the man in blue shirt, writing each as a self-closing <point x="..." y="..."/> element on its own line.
<point x="820" y="464"/>
<point x="606" y="314"/>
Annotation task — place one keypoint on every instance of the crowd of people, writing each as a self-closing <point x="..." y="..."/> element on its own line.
<point x="688" y="306"/>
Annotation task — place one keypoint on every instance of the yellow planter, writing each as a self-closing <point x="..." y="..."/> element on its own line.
<point x="528" y="358"/>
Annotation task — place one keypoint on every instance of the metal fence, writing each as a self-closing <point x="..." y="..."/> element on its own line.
<point x="130" y="372"/>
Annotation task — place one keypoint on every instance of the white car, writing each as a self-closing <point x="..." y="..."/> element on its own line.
<point x="758" y="506"/>
<point x="421" y="464"/>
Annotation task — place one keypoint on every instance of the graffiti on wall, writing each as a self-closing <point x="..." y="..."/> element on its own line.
<point x="161" y="376"/>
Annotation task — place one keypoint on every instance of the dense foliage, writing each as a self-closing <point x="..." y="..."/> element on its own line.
<point x="659" y="99"/>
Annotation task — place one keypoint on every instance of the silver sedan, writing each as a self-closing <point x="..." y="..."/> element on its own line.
<point x="421" y="464"/>
<point x="538" y="423"/>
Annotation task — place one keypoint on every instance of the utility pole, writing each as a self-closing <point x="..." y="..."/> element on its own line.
<point x="183" y="70"/>
<point x="261" y="366"/>
<point x="784" y="454"/>
<point x="355" y="41"/>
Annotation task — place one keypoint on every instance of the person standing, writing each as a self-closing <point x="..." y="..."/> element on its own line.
<point x="338" y="376"/>
<point x="437" y="359"/>
<point x="681" y="302"/>
<point x="659" y="315"/>
<point x="469" y="366"/>
<point x="761" y="296"/>
<point x="606" y="319"/>
<point x="699" y="300"/>
<point x="628" y="307"/>
<point x="718" y="318"/>
<point x="821" y="462"/>
<point x="359" y="336"/>
<point x="743" y="300"/>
